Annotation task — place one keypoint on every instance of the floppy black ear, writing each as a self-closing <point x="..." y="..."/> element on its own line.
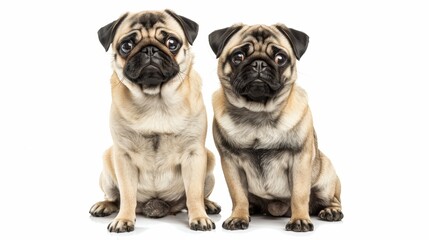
<point x="106" y="33"/>
<point x="219" y="38"/>
<point x="298" y="39"/>
<point x="189" y="27"/>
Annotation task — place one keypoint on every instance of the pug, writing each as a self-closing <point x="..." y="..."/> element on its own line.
<point x="158" y="164"/>
<point x="263" y="130"/>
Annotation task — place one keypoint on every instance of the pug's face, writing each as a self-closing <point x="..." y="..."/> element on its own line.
<point x="150" y="49"/>
<point x="257" y="63"/>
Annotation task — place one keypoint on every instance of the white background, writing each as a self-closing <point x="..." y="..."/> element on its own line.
<point x="365" y="71"/>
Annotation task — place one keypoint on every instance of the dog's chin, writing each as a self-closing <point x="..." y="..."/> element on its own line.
<point x="257" y="92"/>
<point x="151" y="86"/>
<point x="152" y="89"/>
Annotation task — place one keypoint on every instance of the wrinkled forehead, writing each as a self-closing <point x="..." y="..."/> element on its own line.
<point x="148" y="23"/>
<point x="262" y="37"/>
<point x="259" y="33"/>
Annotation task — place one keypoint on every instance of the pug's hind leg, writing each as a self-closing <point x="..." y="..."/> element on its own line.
<point x="104" y="208"/>
<point x="210" y="206"/>
<point x="332" y="212"/>
<point x="111" y="195"/>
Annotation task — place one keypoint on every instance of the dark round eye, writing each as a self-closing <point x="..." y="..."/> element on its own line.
<point x="237" y="58"/>
<point x="280" y="59"/>
<point x="173" y="44"/>
<point x="126" y="47"/>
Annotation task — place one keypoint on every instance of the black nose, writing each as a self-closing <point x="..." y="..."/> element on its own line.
<point x="150" y="50"/>
<point x="259" y="66"/>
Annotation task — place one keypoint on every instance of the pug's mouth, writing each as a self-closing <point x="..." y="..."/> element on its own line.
<point x="151" y="79"/>
<point x="259" y="90"/>
<point x="151" y="76"/>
